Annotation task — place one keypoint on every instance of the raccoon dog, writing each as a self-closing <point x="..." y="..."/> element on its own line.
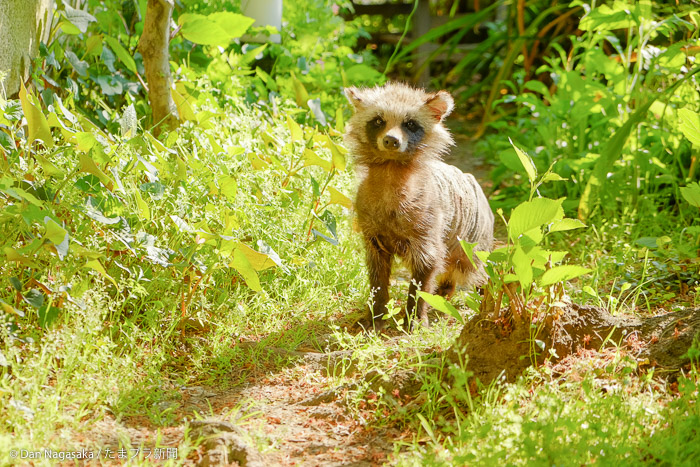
<point x="409" y="203"/>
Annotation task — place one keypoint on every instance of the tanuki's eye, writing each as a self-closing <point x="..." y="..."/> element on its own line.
<point x="378" y="122"/>
<point x="411" y="125"/>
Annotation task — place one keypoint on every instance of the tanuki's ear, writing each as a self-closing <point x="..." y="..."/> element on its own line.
<point x="353" y="95"/>
<point x="440" y="104"/>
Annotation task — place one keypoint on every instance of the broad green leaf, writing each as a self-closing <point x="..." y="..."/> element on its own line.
<point x="49" y="169"/>
<point x="27" y="196"/>
<point x="88" y="165"/>
<point x="311" y="158"/>
<point x="93" y="45"/>
<point x="562" y="273"/>
<point x="337" y="153"/>
<point x="339" y="198"/>
<point x="78" y="18"/>
<point x="80" y="66"/>
<point x="441" y="304"/>
<point x="47" y="315"/>
<point x="84" y="141"/>
<point x="202" y="30"/>
<point x="257" y="162"/>
<point x="234" y="24"/>
<point x="183" y="102"/>
<point x="36" y="121"/>
<point x="97" y="266"/>
<point x="144" y="210"/>
<point x="566" y="224"/>
<point x="691" y="194"/>
<point x="258" y="261"/>
<point x="229" y="187"/>
<point x="553" y="177"/>
<point x="361" y="74"/>
<point x="7" y="308"/>
<point x="181" y="169"/>
<point x="295" y="130"/>
<point x="241" y="264"/>
<point x="68" y="28"/>
<point x="469" y="250"/>
<point x="529" y="166"/>
<point x="54" y="232"/>
<point x="58" y="236"/>
<point x="121" y="53"/>
<point x="533" y="214"/>
<point x="690" y="125"/>
<point x="14" y="255"/>
<point x="300" y="92"/>
<point x="522" y="265"/>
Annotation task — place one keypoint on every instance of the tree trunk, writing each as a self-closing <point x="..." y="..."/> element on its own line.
<point x="153" y="46"/>
<point x="510" y="345"/>
<point x="23" y="24"/>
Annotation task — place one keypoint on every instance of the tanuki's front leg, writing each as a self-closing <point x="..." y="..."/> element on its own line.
<point x="379" y="266"/>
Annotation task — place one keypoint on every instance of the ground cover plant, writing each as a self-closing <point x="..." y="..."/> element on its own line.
<point x="191" y="296"/>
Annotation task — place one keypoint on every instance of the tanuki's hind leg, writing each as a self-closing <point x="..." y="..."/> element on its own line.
<point x="446" y="287"/>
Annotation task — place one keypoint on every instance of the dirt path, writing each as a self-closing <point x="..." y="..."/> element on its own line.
<point x="283" y="431"/>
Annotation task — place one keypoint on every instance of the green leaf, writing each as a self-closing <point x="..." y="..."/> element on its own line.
<point x="54" y="232"/>
<point x="441" y="304"/>
<point x="47" y="315"/>
<point x="78" y="65"/>
<point x="300" y="93"/>
<point x="78" y="18"/>
<point x="562" y="273"/>
<point x="48" y="167"/>
<point x="88" y="165"/>
<point x="35" y="298"/>
<point x="690" y="125"/>
<point x="338" y="154"/>
<point x="144" y="210"/>
<point x="691" y="194"/>
<point x="241" y="264"/>
<point x="526" y="161"/>
<point x="566" y="224"/>
<point x="469" y="250"/>
<point x="36" y="121"/>
<point x="234" y="24"/>
<point x="533" y="214"/>
<point x="229" y="187"/>
<point x="58" y="236"/>
<point x="295" y="130"/>
<point x="339" y="198"/>
<point x="202" y="30"/>
<point x="97" y="266"/>
<point x="258" y="261"/>
<point x="522" y="265"/>
<point x="14" y="255"/>
<point x="121" y="53"/>
<point x="311" y="158"/>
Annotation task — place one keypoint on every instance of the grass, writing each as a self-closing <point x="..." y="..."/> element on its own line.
<point x="124" y="356"/>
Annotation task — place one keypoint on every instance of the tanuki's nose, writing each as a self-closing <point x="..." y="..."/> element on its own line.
<point x="390" y="142"/>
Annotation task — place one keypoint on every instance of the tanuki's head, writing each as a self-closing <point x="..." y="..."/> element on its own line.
<point x="398" y="122"/>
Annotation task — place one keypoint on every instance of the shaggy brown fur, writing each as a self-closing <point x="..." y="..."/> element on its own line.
<point x="409" y="203"/>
